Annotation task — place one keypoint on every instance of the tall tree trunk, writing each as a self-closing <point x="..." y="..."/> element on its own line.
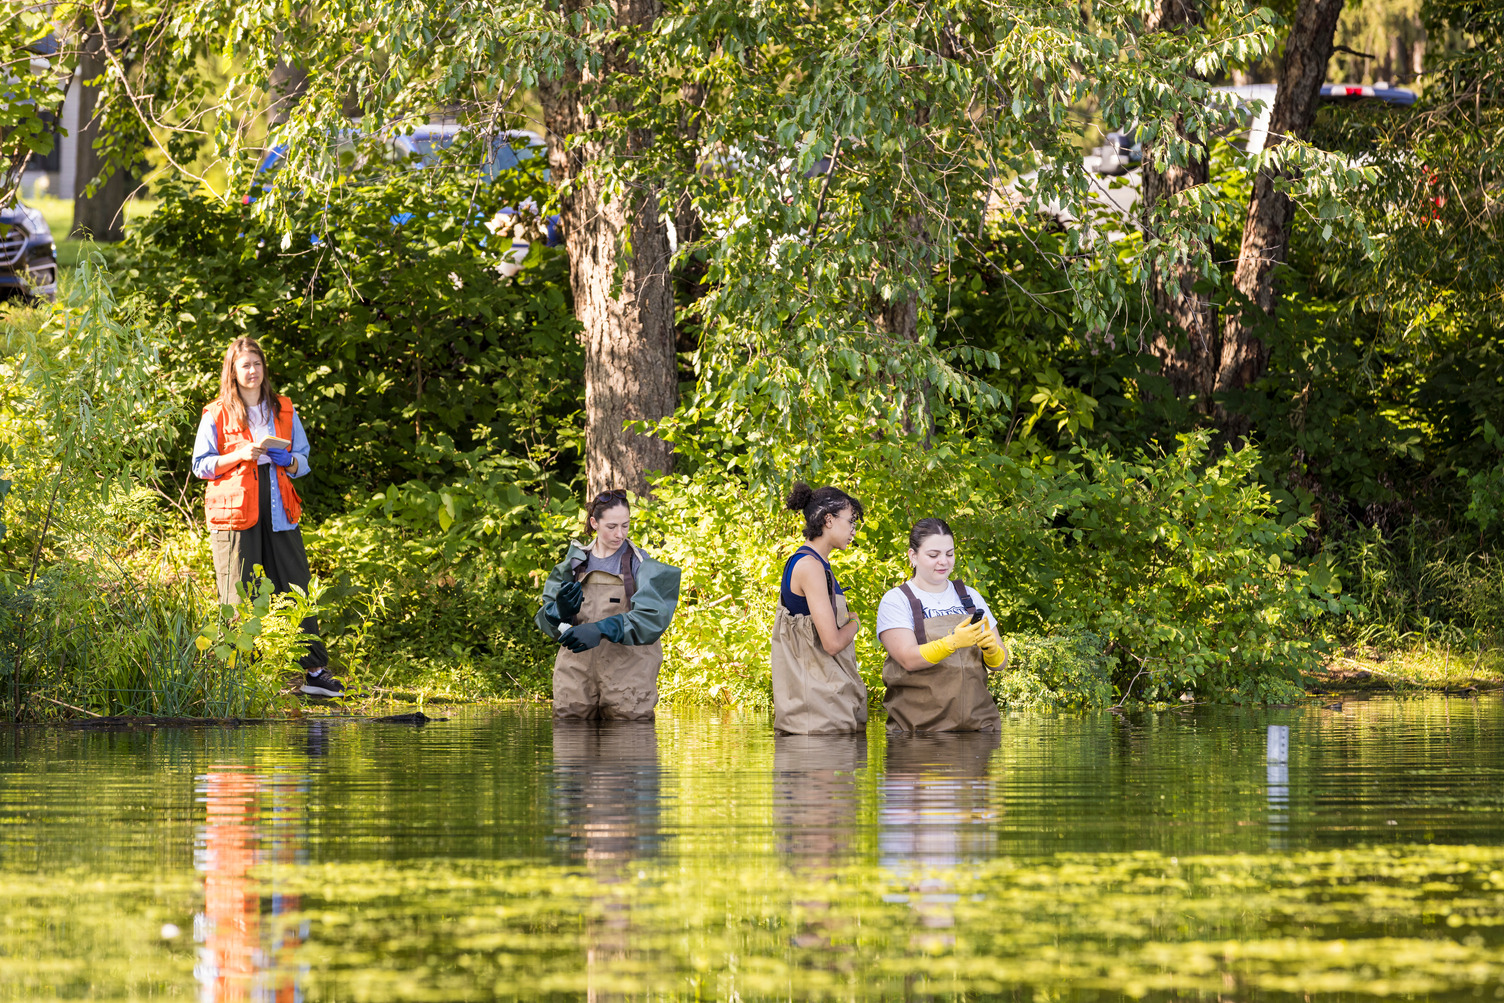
<point x="100" y="215"/>
<point x="619" y="274"/>
<point x="1188" y="352"/>
<point x="1266" y="231"/>
<point x="900" y="319"/>
<point x="690" y="285"/>
<point x="285" y="89"/>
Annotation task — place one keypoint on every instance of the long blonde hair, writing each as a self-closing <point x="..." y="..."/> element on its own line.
<point x="229" y="389"/>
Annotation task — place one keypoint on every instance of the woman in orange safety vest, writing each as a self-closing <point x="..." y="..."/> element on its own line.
<point x="250" y="502"/>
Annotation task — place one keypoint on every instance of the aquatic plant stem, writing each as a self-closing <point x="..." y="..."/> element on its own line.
<point x="69" y="706"/>
<point x="36" y="554"/>
<point x="36" y="557"/>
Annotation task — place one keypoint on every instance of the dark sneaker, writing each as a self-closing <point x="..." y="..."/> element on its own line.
<point x="319" y="683"/>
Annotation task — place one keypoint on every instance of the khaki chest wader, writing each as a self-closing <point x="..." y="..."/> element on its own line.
<point x="613" y="682"/>
<point x="815" y="693"/>
<point x="951" y="695"/>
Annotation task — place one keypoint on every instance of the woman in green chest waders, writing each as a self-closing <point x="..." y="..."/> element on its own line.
<point x="607" y="604"/>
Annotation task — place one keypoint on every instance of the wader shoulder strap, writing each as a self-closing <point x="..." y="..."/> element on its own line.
<point x="830" y="579"/>
<point x="918" y="609"/>
<point x="628" y="572"/>
<point x="964" y="596"/>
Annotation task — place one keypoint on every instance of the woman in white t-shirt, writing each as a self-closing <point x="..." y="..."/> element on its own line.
<point x="941" y="642"/>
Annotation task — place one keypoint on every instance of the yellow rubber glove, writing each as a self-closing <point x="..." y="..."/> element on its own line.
<point x="963" y="636"/>
<point x="995" y="653"/>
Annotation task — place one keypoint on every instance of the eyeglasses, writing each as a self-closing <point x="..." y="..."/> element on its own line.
<point x="615" y="494"/>
<point x="848" y="515"/>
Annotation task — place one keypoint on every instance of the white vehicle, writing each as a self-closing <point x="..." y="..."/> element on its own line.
<point x="1112" y="167"/>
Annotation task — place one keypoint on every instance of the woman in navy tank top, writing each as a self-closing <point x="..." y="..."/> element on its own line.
<point x="817" y="688"/>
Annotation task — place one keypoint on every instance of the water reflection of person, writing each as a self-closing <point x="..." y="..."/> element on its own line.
<point x="815" y="819"/>
<point x="815" y="796"/>
<point x="229" y="928"/>
<point x="607" y="793"/>
<point x="607" y="790"/>
<point x="937" y="814"/>
<point x="241" y="955"/>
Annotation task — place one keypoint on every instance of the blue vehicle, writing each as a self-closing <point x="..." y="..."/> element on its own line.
<point x="422" y="149"/>
<point x="28" y="255"/>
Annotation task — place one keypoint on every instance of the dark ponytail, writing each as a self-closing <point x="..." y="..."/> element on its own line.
<point x="926" y="528"/>
<point x="817" y="505"/>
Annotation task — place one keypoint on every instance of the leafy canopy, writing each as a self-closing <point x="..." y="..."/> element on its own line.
<point x="826" y="158"/>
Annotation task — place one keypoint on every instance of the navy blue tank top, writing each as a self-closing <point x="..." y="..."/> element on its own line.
<point x="797" y="604"/>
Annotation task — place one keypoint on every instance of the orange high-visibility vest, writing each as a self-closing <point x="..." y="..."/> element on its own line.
<point x="232" y="500"/>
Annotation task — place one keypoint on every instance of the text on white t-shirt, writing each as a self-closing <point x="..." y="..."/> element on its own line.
<point x="895" y="611"/>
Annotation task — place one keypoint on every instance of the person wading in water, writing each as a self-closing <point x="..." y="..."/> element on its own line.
<point x="939" y="650"/>
<point x="817" y="688"/>
<point x="250" y="503"/>
<point x="607" y="604"/>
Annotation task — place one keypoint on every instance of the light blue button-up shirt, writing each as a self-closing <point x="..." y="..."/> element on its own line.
<point x="206" y="453"/>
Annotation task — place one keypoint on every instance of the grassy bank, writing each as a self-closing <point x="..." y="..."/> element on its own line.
<point x="113" y="626"/>
<point x="59" y="215"/>
<point x="1417" y="667"/>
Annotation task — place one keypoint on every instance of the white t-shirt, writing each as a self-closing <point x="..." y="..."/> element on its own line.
<point x="895" y="611"/>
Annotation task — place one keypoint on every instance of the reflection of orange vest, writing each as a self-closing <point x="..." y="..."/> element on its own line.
<point x="232" y="500"/>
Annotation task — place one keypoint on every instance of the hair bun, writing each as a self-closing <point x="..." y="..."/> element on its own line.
<point x="799" y="498"/>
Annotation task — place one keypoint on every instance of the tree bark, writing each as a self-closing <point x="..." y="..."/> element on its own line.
<point x="285" y="88"/>
<point x="619" y="275"/>
<point x="1188" y="351"/>
<point x="100" y="215"/>
<point x="690" y="286"/>
<point x="1266" y="231"/>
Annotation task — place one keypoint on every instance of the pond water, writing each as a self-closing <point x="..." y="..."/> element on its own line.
<point x="497" y="855"/>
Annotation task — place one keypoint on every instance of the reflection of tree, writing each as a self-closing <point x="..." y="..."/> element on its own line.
<point x="241" y="957"/>
<point x="936" y="814"/>
<point x="815" y="796"/>
<point x="607" y="794"/>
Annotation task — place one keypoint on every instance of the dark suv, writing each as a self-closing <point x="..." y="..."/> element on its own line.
<point x="28" y="257"/>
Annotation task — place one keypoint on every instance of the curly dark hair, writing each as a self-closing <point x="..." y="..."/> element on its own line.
<point x="818" y="505"/>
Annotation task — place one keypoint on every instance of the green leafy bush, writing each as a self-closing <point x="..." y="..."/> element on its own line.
<point x="100" y="639"/>
<point x="1054" y="670"/>
<point x="261" y="635"/>
<point x="1176" y="565"/>
<point x="1183" y="564"/>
